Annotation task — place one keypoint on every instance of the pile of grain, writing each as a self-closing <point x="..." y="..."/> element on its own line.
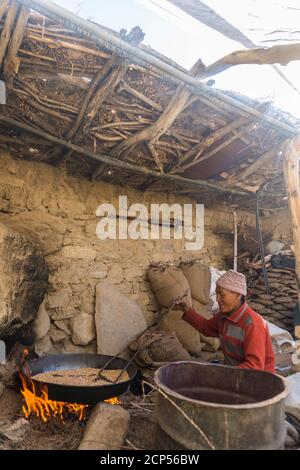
<point x="88" y="377"/>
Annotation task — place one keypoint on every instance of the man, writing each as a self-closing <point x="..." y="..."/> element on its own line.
<point x="243" y="333"/>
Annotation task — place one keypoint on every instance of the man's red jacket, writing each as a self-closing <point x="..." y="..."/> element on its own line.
<point x="244" y="336"/>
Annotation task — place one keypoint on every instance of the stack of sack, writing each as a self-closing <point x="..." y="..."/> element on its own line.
<point x="193" y="278"/>
<point x="153" y="348"/>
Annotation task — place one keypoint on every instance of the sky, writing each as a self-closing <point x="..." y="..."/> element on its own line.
<point x="182" y="38"/>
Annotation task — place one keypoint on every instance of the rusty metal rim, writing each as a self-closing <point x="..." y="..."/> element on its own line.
<point x="259" y="404"/>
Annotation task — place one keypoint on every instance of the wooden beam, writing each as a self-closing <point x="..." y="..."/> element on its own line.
<point x="12" y="62"/>
<point x="8" y="28"/>
<point x="67" y="45"/>
<point x="220" y="147"/>
<point x="117" y="163"/>
<point x="213" y="137"/>
<point x="291" y="173"/>
<point x="3" y="8"/>
<point x="140" y="96"/>
<point x="262" y="160"/>
<point x="175" y="74"/>
<point x="175" y="106"/>
<point x="282" y="55"/>
<point x="206" y="15"/>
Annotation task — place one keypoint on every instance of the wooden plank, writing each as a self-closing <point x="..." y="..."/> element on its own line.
<point x="3" y="8"/>
<point x="262" y="160"/>
<point x="7" y="29"/>
<point x="291" y="173"/>
<point x="12" y="62"/>
<point x="67" y="45"/>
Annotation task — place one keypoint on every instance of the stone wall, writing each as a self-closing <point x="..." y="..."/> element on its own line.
<point x="58" y="212"/>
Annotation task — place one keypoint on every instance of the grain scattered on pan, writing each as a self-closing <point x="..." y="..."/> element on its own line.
<point x="87" y="377"/>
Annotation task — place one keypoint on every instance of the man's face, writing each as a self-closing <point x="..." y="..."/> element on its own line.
<point x="227" y="300"/>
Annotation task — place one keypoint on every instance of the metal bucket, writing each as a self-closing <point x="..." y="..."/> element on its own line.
<point x="205" y="406"/>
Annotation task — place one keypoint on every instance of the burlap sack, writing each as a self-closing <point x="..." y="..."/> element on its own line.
<point x="199" y="279"/>
<point x="209" y="343"/>
<point x="204" y="310"/>
<point x="168" y="282"/>
<point x="187" y="335"/>
<point x="156" y="347"/>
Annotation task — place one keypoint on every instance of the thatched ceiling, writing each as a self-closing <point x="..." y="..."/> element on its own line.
<point x="77" y="102"/>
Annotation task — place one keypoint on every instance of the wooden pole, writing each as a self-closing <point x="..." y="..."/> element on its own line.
<point x="291" y="172"/>
<point x="235" y="247"/>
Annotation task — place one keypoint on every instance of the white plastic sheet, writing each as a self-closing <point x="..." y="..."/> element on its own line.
<point x="293" y="398"/>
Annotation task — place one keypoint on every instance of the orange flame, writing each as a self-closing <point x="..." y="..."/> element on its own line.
<point x="38" y="403"/>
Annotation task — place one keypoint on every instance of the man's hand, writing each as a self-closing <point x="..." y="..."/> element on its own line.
<point x="183" y="306"/>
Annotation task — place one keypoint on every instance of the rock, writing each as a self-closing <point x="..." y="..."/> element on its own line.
<point x="119" y="320"/>
<point x="79" y="252"/>
<point x="141" y="298"/>
<point x="57" y="335"/>
<point x="70" y="348"/>
<point x="16" y="431"/>
<point x="115" y="274"/>
<point x="106" y="428"/>
<point x="83" y="329"/>
<point x="23" y="280"/>
<point x="63" y="325"/>
<point x="41" y="227"/>
<point x="59" y="298"/>
<point x="43" y="346"/>
<point x="2" y="388"/>
<point x="61" y="315"/>
<point x="133" y="273"/>
<point x="99" y="271"/>
<point x="41" y="323"/>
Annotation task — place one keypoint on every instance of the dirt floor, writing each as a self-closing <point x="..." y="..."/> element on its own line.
<point x="141" y="433"/>
<point x="53" y="435"/>
<point x="66" y="435"/>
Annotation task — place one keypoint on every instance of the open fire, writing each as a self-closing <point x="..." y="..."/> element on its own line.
<point x="38" y="403"/>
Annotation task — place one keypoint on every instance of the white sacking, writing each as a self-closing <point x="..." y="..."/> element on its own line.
<point x="215" y="274"/>
<point x="296" y="357"/>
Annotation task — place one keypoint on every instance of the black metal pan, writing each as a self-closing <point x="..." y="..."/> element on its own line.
<point x="77" y="393"/>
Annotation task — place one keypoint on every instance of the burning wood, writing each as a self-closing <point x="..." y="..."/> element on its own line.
<point x="37" y="401"/>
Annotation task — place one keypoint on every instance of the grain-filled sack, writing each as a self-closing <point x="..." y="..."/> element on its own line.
<point x="168" y="282"/>
<point x="156" y="347"/>
<point x="204" y="310"/>
<point x="187" y="335"/>
<point x="199" y="279"/>
<point x="209" y="343"/>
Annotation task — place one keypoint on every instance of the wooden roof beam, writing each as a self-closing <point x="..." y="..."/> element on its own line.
<point x="117" y="163"/>
<point x="113" y="42"/>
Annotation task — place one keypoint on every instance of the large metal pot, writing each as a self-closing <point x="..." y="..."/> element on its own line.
<point x="209" y="406"/>
<point x="88" y="395"/>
